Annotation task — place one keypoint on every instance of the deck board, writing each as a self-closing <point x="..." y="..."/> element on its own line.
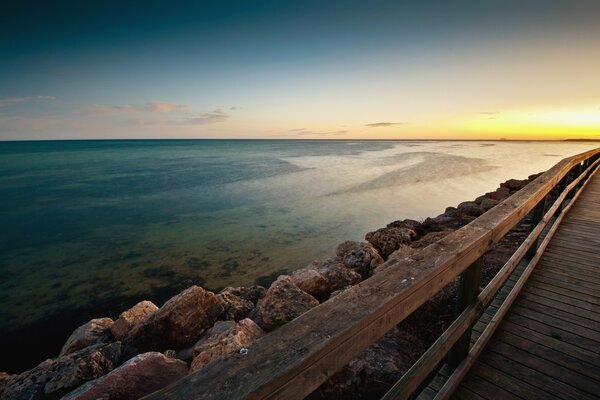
<point x="548" y="345"/>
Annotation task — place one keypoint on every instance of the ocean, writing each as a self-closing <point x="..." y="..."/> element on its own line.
<point x="91" y="227"/>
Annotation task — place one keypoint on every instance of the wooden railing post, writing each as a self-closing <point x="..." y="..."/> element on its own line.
<point x="536" y="216"/>
<point x="468" y="289"/>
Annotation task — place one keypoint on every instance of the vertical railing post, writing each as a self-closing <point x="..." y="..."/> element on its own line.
<point x="536" y="216"/>
<point x="468" y="289"/>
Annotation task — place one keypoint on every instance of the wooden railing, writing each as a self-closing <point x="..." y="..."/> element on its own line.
<point x="294" y="360"/>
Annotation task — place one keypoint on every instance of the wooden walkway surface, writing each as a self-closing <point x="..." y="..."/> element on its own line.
<point x="548" y="345"/>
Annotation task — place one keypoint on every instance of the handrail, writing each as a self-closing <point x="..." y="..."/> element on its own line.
<point x="292" y="361"/>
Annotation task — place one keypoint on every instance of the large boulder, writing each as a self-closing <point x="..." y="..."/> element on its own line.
<point x="141" y="375"/>
<point x="221" y="344"/>
<point x="430" y="238"/>
<point x="388" y="240"/>
<point x="470" y="208"/>
<point x="500" y="194"/>
<point x="283" y="302"/>
<point x="235" y="308"/>
<point x="93" y="332"/>
<point x="338" y="276"/>
<point x="129" y="318"/>
<point x="361" y="257"/>
<point x="487" y="204"/>
<point x="53" y="378"/>
<point x="312" y="282"/>
<point x="178" y="323"/>
<point x="3" y="379"/>
<point x="514" y="184"/>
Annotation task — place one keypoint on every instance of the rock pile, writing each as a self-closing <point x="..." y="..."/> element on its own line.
<point x="148" y="347"/>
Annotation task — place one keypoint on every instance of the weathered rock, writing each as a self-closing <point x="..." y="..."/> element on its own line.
<point x="336" y="273"/>
<point x="429" y="238"/>
<point x="405" y="223"/>
<point x="487" y="204"/>
<point x="502" y="193"/>
<point x="234" y="308"/>
<point x="470" y="208"/>
<point x="514" y="184"/>
<point x="283" y="302"/>
<point x="129" y="318"/>
<point x="3" y="379"/>
<point x="372" y="373"/>
<point x="220" y="345"/>
<point x="312" y="282"/>
<point x="93" y="332"/>
<point x="55" y="377"/>
<point x="403" y="252"/>
<point x="141" y="375"/>
<point x="252" y="293"/>
<point x="387" y="240"/>
<point x="178" y="323"/>
<point x="361" y="257"/>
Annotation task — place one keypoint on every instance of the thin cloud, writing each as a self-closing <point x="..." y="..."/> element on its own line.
<point x="151" y="107"/>
<point x="384" y="124"/>
<point x="211" y="117"/>
<point x="306" y="132"/>
<point x="11" y="101"/>
<point x="489" y="112"/>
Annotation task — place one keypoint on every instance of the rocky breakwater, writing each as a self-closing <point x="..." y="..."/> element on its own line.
<point x="149" y="347"/>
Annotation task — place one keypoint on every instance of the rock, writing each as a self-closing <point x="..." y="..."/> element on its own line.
<point x="514" y="184"/>
<point x="128" y="319"/>
<point x="336" y="273"/>
<point x="53" y="378"/>
<point x="487" y="204"/>
<point x="312" y="282"/>
<point x="283" y="302"/>
<point x="430" y="238"/>
<point x="141" y="375"/>
<point x="252" y="293"/>
<point x="3" y="379"/>
<point x="93" y="332"/>
<point x="178" y="323"/>
<point x="502" y="193"/>
<point x="470" y="208"/>
<point x="403" y="252"/>
<point x="361" y="257"/>
<point x="218" y="346"/>
<point x="406" y="223"/>
<point x="234" y="308"/>
<point x="372" y="373"/>
<point x="387" y="240"/>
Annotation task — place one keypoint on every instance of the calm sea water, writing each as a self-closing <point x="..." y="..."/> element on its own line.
<point x="97" y="225"/>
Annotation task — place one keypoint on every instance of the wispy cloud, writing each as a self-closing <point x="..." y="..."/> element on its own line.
<point x="211" y="117"/>
<point x="11" y="101"/>
<point x="306" y="132"/>
<point x="489" y="112"/>
<point x="384" y="124"/>
<point x="151" y="107"/>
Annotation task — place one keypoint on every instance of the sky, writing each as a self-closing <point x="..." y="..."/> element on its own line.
<point x="300" y="69"/>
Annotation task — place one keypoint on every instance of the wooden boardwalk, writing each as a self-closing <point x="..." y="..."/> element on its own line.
<point x="548" y="345"/>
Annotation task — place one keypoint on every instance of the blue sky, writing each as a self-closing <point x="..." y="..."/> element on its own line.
<point x="377" y="69"/>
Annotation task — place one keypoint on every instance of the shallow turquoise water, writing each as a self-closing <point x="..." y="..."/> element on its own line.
<point x="98" y="224"/>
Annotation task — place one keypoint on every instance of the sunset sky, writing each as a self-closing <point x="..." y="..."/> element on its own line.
<point x="300" y="69"/>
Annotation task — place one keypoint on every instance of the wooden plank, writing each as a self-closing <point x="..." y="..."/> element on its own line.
<point x="516" y="386"/>
<point x="569" y="292"/>
<point x="589" y="372"/>
<point x="555" y="322"/>
<point x="486" y="389"/>
<point x="548" y="341"/>
<point x="549" y="274"/>
<point x="532" y="369"/>
<point x="561" y="306"/>
<point x="567" y="317"/>
<point x="539" y="373"/>
<point x="564" y="299"/>
<point x="556" y="333"/>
